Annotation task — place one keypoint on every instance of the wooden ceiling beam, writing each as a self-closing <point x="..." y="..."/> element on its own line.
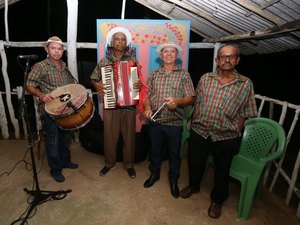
<point x="144" y="3"/>
<point x="255" y="35"/>
<point x="252" y="7"/>
<point x="264" y="6"/>
<point x="204" y="15"/>
<point x="268" y="16"/>
<point x="199" y="13"/>
<point x="2" y="3"/>
<point x="195" y="10"/>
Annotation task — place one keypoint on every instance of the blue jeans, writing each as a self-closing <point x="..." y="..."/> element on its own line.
<point x="57" y="142"/>
<point x="171" y="135"/>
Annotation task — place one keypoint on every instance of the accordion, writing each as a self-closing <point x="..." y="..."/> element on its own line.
<point x="118" y="79"/>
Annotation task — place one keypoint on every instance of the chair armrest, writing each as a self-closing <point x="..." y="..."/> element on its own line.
<point x="273" y="156"/>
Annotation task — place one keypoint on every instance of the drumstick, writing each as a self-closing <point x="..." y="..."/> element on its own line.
<point x="170" y="118"/>
<point x="157" y="111"/>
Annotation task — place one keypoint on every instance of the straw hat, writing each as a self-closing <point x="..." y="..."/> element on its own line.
<point x="118" y="30"/>
<point x="54" y="39"/>
<point x="169" y="44"/>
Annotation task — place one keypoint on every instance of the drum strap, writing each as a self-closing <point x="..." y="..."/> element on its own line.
<point x="71" y="76"/>
<point x="67" y="70"/>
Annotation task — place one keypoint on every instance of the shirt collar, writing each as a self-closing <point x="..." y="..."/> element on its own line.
<point x="175" y="68"/>
<point x="63" y="64"/>
<point x="237" y="75"/>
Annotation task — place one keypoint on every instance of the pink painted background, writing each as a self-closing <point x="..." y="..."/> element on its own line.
<point x="147" y="35"/>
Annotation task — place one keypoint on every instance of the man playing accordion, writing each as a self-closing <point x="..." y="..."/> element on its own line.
<point x="119" y="118"/>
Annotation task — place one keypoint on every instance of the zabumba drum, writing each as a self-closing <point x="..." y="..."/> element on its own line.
<point x="71" y="107"/>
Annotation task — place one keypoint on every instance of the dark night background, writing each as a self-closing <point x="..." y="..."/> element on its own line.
<point x="273" y="75"/>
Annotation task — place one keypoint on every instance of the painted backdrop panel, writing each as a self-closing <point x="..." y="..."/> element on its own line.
<point x="146" y="36"/>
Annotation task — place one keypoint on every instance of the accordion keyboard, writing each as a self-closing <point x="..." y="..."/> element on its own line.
<point x="108" y="81"/>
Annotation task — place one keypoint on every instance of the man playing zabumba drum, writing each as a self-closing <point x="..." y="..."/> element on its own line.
<point x="42" y="80"/>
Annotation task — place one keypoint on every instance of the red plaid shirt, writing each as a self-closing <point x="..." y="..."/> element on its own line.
<point x="218" y="107"/>
<point x="178" y="84"/>
<point x="47" y="77"/>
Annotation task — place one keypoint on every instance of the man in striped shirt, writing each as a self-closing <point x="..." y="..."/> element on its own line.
<point x="224" y="100"/>
<point x="170" y="90"/>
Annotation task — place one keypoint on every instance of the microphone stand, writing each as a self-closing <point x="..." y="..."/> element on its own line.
<point x="38" y="195"/>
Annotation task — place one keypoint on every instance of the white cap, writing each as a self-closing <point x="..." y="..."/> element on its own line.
<point x="169" y="44"/>
<point x="54" y="39"/>
<point x="118" y="30"/>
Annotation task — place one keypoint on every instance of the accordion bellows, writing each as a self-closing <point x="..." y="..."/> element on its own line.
<point x="118" y="79"/>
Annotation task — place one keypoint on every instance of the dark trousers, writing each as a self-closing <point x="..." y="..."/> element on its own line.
<point x="171" y="135"/>
<point x="199" y="149"/>
<point x="57" y="142"/>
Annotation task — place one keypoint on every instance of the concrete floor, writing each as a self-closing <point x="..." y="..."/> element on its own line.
<point x="116" y="199"/>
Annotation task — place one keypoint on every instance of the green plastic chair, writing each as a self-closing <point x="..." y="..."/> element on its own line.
<point x="263" y="142"/>
<point x="186" y="127"/>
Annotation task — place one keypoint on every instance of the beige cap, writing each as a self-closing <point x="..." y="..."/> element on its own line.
<point x="54" y="39"/>
<point x="169" y="44"/>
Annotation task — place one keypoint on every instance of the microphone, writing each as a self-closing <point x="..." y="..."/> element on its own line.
<point x="28" y="56"/>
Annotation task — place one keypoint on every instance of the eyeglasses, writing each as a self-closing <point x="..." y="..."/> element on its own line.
<point x="224" y="57"/>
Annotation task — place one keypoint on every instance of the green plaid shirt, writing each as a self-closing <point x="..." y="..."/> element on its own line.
<point x="218" y="107"/>
<point x="177" y="84"/>
<point x="47" y="77"/>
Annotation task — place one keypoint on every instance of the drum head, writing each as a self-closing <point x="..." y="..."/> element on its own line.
<point x="67" y="99"/>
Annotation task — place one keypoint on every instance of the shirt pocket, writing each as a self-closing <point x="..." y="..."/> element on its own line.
<point x="230" y="106"/>
<point x="174" y="89"/>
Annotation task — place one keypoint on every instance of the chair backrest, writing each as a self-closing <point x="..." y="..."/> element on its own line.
<point x="186" y="124"/>
<point x="259" y="138"/>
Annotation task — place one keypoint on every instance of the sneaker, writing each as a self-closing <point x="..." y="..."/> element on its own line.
<point x="131" y="172"/>
<point x="71" y="165"/>
<point x="105" y="170"/>
<point x="59" y="177"/>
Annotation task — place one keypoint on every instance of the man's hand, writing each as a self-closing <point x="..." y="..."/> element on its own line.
<point x="138" y="84"/>
<point x="100" y="88"/>
<point x="46" y="97"/>
<point x="172" y="103"/>
<point x="148" y="113"/>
